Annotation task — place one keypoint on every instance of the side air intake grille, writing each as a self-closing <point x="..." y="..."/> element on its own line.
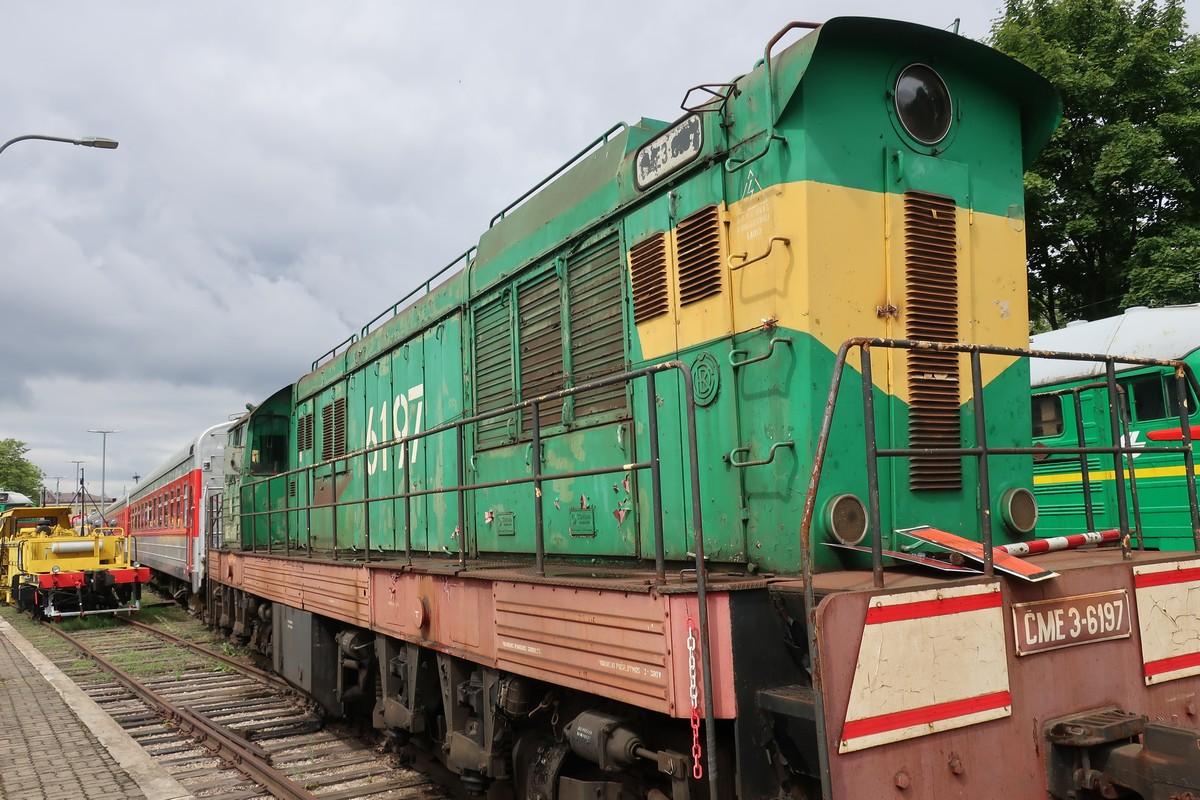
<point x="931" y="287"/>
<point x="648" y="265"/>
<point x="333" y="429"/>
<point x="698" y="245"/>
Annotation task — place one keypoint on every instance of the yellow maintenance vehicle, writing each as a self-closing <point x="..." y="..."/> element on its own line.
<point x="53" y="570"/>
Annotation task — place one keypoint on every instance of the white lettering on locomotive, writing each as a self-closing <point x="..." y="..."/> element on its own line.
<point x="405" y="420"/>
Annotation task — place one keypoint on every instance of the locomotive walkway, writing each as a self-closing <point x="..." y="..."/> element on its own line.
<point x="56" y="742"/>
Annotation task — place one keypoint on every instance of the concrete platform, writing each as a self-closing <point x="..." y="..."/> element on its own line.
<point x="55" y="742"/>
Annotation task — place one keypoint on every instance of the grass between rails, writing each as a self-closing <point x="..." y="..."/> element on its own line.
<point x="167" y="661"/>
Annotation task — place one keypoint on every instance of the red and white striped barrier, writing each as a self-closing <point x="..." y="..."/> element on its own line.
<point x="1054" y="543"/>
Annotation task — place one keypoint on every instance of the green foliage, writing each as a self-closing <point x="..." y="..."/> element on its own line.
<point x="18" y="473"/>
<point x="1113" y="202"/>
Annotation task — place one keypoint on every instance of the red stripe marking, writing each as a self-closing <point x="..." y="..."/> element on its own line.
<point x="1172" y="434"/>
<point x="1171" y="664"/>
<point x="857" y="728"/>
<point x="1166" y="577"/>
<point x="932" y="608"/>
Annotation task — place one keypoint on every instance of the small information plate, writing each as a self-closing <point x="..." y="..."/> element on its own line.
<point x="1068" y="621"/>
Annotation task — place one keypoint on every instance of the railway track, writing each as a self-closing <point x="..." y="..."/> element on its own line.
<point x="225" y="729"/>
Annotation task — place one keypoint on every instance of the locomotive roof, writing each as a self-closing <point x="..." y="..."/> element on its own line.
<point x="184" y="454"/>
<point x="1166" y="333"/>
<point x="588" y="190"/>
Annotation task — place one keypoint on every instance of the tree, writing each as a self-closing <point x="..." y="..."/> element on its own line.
<point x="18" y="473"/>
<point x="1113" y="202"/>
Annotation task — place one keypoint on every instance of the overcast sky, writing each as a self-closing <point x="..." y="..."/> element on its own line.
<point x="286" y="171"/>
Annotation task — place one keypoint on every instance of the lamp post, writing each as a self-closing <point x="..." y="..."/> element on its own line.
<point x="103" y="459"/>
<point x="79" y="462"/>
<point x="87" y="141"/>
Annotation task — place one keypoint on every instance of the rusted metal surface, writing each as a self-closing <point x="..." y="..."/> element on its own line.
<point x="648" y="274"/>
<point x="576" y="626"/>
<point x="931" y="281"/>
<point x="247" y="758"/>
<point x="698" y="254"/>
<point x="1042" y="685"/>
<point x="820" y="668"/>
<point x="595" y="276"/>
<point x="245" y="669"/>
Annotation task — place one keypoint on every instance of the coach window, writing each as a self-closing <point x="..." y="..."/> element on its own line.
<point x="1047" y="415"/>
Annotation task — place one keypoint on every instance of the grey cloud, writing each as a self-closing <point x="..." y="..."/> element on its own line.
<point x="288" y="169"/>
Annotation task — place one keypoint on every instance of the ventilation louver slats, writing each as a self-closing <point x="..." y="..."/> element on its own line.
<point x="333" y="429"/>
<point x="931" y="287"/>
<point x="304" y="433"/>
<point x="597" y="340"/>
<point x="648" y="265"/>
<point x="541" y="352"/>
<point x="493" y="369"/>
<point x="698" y="254"/>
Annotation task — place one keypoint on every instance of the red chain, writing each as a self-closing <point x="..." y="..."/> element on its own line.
<point x="694" y="696"/>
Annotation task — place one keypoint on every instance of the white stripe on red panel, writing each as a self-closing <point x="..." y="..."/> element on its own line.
<point x="929" y="661"/>
<point x="1168" y="605"/>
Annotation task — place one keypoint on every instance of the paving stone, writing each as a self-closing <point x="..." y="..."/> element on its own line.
<point x="46" y="750"/>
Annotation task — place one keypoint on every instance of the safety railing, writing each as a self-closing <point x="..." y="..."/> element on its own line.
<point x="536" y="478"/>
<point x="981" y="452"/>
<point x="1089" y="505"/>
<point x="420" y="291"/>
<point x="332" y="352"/>
<point x="596" y="143"/>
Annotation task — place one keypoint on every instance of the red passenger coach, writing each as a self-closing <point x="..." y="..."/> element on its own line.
<point x="165" y="515"/>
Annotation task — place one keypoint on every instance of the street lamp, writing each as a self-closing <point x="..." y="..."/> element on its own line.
<point x="103" y="458"/>
<point x="79" y="462"/>
<point x="87" y="141"/>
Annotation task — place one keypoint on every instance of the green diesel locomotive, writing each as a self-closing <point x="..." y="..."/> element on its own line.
<point x="622" y="507"/>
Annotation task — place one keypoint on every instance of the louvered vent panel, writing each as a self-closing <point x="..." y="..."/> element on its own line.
<point x="493" y="369"/>
<point x="339" y="427"/>
<point x="304" y="433"/>
<point x="597" y="344"/>
<point x="648" y="265"/>
<point x="931" y="289"/>
<point x="539" y="310"/>
<point x="327" y="432"/>
<point x="698" y="255"/>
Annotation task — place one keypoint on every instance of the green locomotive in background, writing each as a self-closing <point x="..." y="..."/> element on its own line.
<point x="1158" y="510"/>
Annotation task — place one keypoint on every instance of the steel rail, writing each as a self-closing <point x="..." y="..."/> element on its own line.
<point x="248" y="670"/>
<point x="245" y="757"/>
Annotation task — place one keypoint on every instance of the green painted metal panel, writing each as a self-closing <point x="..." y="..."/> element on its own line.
<point x="442" y="399"/>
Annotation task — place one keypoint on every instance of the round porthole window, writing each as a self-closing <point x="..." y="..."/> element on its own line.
<point x="923" y="104"/>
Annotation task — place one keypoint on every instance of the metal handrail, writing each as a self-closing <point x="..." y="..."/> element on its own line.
<point x="981" y="451"/>
<point x="602" y="139"/>
<point x="537" y="477"/>
<point x="333" y="351"/>
<point x="424" y="288"/>
<point x="734" y="164"/>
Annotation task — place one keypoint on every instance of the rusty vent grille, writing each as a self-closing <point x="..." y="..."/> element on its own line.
<point x="494" y="370"/>
<point x="539" y="313"/>
<point x="333" y="429"/>
<point x="304" y="433"/>
<point x="931" y="293"/>
<point x="698" y="249"/>
<point x="597" y="337"/>
<point x="648" y="264"/>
